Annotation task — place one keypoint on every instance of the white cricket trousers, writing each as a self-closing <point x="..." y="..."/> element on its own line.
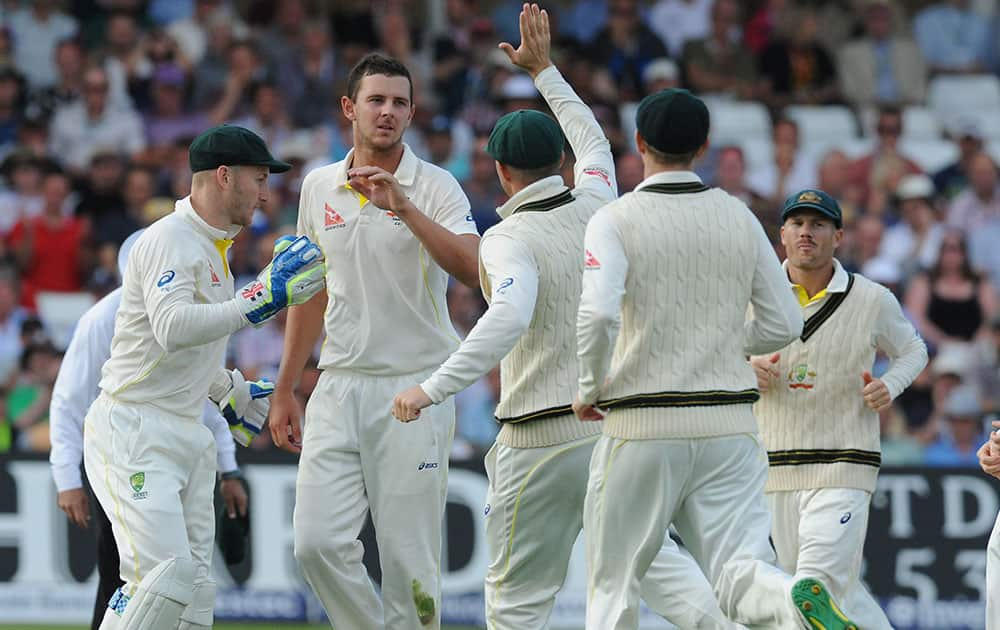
<point x="993" y="578"/>
<point x="356" y="458"/>
<point x="534" y="513"/>
<point x="154" y="475"/>
<point x="820" y="533"/>
<point x="712" y="489"/>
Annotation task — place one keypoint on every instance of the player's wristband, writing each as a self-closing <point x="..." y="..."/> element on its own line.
<point x="232" y="474"/>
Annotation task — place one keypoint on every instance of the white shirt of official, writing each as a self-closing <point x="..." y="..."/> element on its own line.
<point x="76" y="388"/>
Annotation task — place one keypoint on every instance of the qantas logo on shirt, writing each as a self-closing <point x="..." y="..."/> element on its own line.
<point x="332" y="218"/>
<point x="395" y="217"/>
<point x="215" y="277"/>
<point x="590" y="261"/>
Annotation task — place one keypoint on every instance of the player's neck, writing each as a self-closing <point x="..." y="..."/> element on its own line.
<point x="812" y="280"/>
<point x="210" y="210"/>
<point x="387" y="159"/>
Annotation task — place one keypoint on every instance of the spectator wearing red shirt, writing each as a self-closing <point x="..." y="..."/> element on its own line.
<point x="49" y="249"/>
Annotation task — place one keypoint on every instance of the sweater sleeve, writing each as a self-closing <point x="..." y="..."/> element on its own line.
<point x="777" y="317"/>
<point x="514" y="277"/>
<point x="896" y="336"/>
<point x="599" y="317"/>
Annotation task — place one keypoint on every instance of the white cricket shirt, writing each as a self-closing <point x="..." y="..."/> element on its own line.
<point x="387" y="313"/>
<point x="177" y="312"/>
<point x="76" y="388"/>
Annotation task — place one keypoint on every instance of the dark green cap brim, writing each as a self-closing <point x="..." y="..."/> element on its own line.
<point x="231" y="145"/>
<point x="813" y="199"/>
<point x="810" y="206"/>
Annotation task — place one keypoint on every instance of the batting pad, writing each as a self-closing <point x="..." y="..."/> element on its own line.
<point x="160" y="597"/>
<point x="198" y="614"/>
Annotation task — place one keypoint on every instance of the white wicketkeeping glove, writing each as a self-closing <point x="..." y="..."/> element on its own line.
<point x="244" y="404"/>
<point x="296" y="273"/>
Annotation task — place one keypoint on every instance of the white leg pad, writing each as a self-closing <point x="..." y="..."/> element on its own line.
<point x="111" y="620"/>
<point x="160" y="597"/>
<point x="199" y="613"/>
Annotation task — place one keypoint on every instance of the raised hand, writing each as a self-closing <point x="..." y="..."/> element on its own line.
<point x="533" y="53"/>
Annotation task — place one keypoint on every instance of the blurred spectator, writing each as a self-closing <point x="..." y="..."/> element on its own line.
<point x="308" y="79"/>
<point x="862" y="240"/>
<point x="580" y="20"/>
<point x="68" y="87"/>
<point x="953" y="179"/>
<point x="962" y="433"/>
<point x="951" y="303"/>
<point x="282" y="38"/>
<point x="629" y="172"/>
<point x="474" y="407"/>
<point x="980" y="202"/>
<point x="914" y="242"/>
<point x="952" y="37"/>
<point x="23" y="195"/>
<point x="12" y="317"/>
<point x="12" y="101"/>
<point x="28" y="401"/>
<point x="168" y="119"/>
<point x="50" y="248"/>
<point x="987" y="374"/>
<point x="730" y="176"/>
<point x="760" y="28"/>
<point x="451" y="56"/>
<point x="81" y="129"/>
<point x="137" y="191"/>
<point x="881" y="67"/>
<point x="102" y="189"/>
<point x="625" y="46"/>
<point x="660" y="74"/>
<point x="796" y="68"/>
<point x="680" y="21"/>
<point x="192" y="33"/>
<point x="257" y="352"/>
<point x="483" y="188"/>
<point x="835" y="179"/>
<point x="898" y="447"/>
<point x="441" y="149"/>
<point x="792" y="170"/>
<point x="213" y="70"/>
<point x="121" y="57"/>
<point x="268" y="116"/>
<point x="720" y="63"/>
<point x="37" y="30"/>
<point x="877" y="175"/>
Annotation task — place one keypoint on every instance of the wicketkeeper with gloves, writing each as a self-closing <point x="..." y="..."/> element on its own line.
<point x="149" y="458"/>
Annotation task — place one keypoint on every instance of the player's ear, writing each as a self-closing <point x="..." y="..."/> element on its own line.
<point x="347" y="106"/>
<point x="223" y="175"/>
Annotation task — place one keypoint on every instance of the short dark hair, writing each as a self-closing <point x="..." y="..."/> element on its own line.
<point x="672" y="159"/>
<point x="376" y="63"/>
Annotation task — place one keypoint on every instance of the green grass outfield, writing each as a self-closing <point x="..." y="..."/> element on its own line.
<point x="218" y="626"/>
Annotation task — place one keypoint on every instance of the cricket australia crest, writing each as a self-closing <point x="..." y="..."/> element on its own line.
<point x="138" y="482"/>
<point x="801" y="377"/>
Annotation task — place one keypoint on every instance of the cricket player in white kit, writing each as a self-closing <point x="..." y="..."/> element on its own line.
<point x="674" y="266"/>
<point x="392" y="227"/>
<point x="819" y="405"/>
<point x="531" y="274"/>
<point x="149" y="458"/>
<point x="989" y="460"/>
<point x="76" y="387"/>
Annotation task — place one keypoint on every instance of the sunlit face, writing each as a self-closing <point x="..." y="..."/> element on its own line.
<point x="381" y="110"/>
<point x="810" y="239"/>
<point x="246" y="191"/>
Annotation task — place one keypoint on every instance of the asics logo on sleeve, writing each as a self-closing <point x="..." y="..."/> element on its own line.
<point x="846" y="517"/>
<point x="427" y="465"/>
<point x="165" y="279"/>
<point x="507" y="282"/>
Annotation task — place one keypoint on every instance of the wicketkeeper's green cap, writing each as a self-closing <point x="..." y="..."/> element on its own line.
<point x="231" y="145"/>
<point x="673" y="121"/>
<point x="526" y="139"/>
<point x="813" y="199"/>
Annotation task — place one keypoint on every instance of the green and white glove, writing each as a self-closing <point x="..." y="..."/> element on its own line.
<point x="244" y="404"/>
<point x="296" y="273"/>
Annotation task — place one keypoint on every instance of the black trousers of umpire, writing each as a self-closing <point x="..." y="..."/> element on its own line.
<point x="108" y="570"/>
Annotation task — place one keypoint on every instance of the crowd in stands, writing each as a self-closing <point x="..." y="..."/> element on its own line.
<point x="891" y="106"/>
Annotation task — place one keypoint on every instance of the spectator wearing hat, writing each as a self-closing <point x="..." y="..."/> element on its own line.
<point x="83" y="128"/>
<point x="952" y="36"/>
<point x="660" y="74"/>
<point x="953" y="179"/>
<point x="37" y="29"/>
<point x="913" y="243"/>
<point x="962" y="431"/>
<point x="881" y="67"/>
